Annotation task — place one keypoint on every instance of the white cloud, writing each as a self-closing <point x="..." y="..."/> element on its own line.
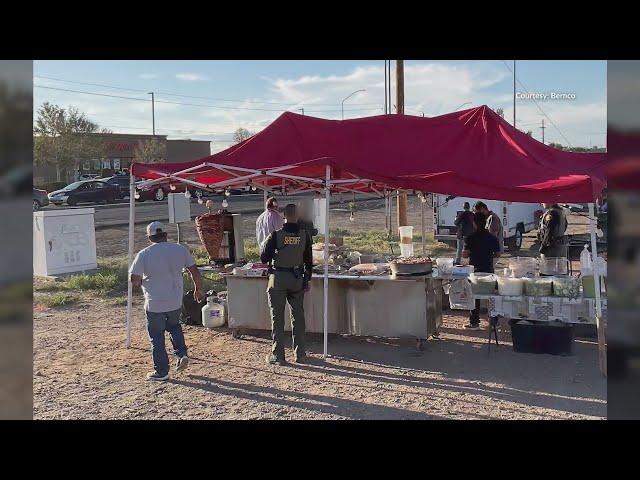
<point x="191" y="77"/>
<point x="148" y="76"/>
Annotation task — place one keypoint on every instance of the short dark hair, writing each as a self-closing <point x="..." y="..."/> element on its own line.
<point x="270" y="202"/>
<point x="480" y="219"/>
<point x="290" y="211"/>
<point x="480" y="206"/>
<point x="466" y="206"/>
<point x="158" y="237"/>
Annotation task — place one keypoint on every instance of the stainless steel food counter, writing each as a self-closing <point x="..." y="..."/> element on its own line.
<point x="367" y="305"/>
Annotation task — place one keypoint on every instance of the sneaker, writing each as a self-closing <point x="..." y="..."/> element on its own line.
<point x="273" y="360"/>
<point x="157" y="377"/>
<point x="182" y="363"/>
<point x="472" y="326"/>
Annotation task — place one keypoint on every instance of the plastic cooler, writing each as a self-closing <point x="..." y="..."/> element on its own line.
<point x="541" y="338"/>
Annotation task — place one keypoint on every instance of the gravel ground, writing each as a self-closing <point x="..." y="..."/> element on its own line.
<point x="82" y="370"/>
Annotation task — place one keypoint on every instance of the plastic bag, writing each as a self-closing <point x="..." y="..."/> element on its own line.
<point x="461" y="295"/>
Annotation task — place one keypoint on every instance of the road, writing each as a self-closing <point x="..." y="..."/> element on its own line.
<point x="118" y="213"/>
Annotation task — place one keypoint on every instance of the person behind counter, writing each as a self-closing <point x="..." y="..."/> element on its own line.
<point x="158" y="270"/>
<point x="481" y="247"/>
<point x="288" y="252"/>
<point x="305" y="220"/>
<point x="494" y="225"/>
<point x="268" y="222"/>
<point x="464" y="222"/>
<point x="553" y="227"/>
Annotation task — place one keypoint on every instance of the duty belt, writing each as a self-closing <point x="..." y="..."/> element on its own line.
<point x="297" y="271"/>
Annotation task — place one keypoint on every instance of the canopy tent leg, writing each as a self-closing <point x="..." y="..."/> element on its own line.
<point x="422" y="226"/>
<point x="132" y="217"/>
<point x="325" y="326"/>
<point x="602" y="352"/>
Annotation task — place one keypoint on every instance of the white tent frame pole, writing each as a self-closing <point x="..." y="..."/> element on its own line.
<point x="132" y="219"/>
<point x="602" y="352"/>
<point x="325" y="310"/>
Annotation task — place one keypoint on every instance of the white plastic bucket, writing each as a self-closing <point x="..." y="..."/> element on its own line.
<point x="406" y="234"/>
<point x="406" y="250"/>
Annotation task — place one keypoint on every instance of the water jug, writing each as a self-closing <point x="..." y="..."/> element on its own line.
<point x="213" y="314"/>
<point x="586" y="265"/>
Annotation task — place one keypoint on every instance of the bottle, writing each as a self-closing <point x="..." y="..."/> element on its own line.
<point x="213" y="313"/>
<point x="586" y="264"/>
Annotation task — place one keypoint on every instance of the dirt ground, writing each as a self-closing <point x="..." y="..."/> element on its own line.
<point x="82" y="370"/>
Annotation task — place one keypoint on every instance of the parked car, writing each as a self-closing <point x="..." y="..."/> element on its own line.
<point x="159" y="192"/>
<point x="92" y="191"/>
<point x="40" y="199"/>
<point x="120" y="181"/>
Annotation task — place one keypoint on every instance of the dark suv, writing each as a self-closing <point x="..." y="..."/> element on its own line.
<point x="120" y="181"/>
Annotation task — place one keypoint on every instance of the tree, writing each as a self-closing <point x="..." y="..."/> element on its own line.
<point x="151" y="151"/>
<point x="241" y="135"/>
<point x="500" y="111"/>
<point x="557" y="145"/>
<point x="530" y="133"/>
<point x="64" y="138"/>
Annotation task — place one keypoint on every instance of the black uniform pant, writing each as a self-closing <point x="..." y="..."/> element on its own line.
<point x="285" y="288"/>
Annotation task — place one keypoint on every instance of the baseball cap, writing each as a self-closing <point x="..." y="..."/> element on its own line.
<point x="154" y="228"/>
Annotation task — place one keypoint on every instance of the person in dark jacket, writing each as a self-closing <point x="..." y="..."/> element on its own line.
<point x="481" y="247"/>
<point x="288" y="253"/>
<point x="552" y="232"/>
<point x="464" y="222"/>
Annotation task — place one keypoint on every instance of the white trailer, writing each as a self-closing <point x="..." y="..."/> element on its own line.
<point x="517" y="218"/>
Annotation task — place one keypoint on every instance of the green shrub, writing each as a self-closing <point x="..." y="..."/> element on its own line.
<point x="251" y="250"/>
<point x="110" y="279"/>
<point x="58" y="300"/>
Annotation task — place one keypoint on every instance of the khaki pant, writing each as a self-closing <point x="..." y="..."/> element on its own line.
<point x="284" y="287"/>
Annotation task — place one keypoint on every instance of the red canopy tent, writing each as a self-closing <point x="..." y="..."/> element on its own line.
<point x="473" y="152"/>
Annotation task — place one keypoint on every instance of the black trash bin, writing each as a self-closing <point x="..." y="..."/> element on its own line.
<point x="554" y="339"/>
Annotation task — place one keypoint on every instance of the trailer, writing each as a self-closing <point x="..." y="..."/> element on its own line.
<point x="517" y="218"/>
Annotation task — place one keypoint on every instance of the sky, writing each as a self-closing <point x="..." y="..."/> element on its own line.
<point x="209" y="100"/>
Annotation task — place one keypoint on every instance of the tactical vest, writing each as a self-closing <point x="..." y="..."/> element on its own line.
<point x="561" y="227"/>
<point x="289" y="249"/>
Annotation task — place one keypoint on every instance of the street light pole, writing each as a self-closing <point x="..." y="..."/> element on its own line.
<point x="347" y="97"/>
<point x="153" y="112"/>
<point x="514" y="94"/>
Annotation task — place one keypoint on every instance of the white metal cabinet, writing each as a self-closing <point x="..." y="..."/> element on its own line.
<point x="64" y="241"/>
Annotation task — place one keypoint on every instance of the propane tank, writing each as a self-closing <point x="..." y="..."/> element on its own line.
<point x="213" y="313"/>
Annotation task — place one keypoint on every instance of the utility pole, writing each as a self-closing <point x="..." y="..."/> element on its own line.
<point x="402" y="197"/>
<point x="385" y="88"/>
<point x="302" y="110"/>
<point x="542" y="128"/>
<point x="514" y="94"/>
<point x="153" y="112"/>
<point x="389" y="85"/>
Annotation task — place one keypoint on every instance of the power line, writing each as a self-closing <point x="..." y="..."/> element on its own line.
<point x="539" y="107"/>
<point x="197" y="104"/>
<point x="191" y="96"/>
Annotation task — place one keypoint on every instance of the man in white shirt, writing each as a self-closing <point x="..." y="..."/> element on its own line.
<point x="158" y="270"/>
<point x="268" y="222"/>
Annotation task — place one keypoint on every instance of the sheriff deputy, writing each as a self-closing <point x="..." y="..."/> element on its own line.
<point x="288" y="252"/>
<point x="553" y="227"/>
